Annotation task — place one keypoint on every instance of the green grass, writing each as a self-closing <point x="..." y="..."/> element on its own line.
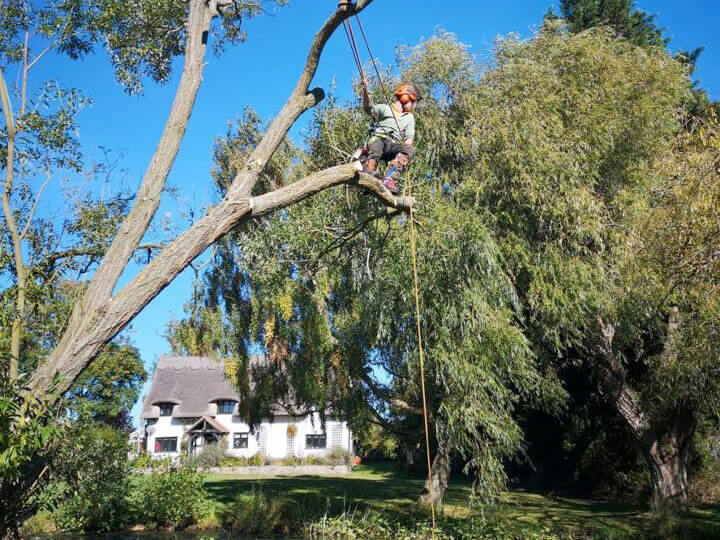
<point x="383" y="487"/>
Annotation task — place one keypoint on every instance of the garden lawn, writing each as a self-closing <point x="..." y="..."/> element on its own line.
<point x="383" y="487"/>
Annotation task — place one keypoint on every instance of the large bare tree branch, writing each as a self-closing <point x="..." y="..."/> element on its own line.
<point x="136" y="223"/>
<point x="309" y="186"/>
<point x="99" y="317"/>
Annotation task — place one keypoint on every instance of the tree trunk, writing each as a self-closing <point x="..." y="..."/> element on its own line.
<point x="668" y="460"/>
<point x="667" y="450"/>
<point x="15" y="235"/>
<point x="439" y="477"/>
<point x="670" y="483"/>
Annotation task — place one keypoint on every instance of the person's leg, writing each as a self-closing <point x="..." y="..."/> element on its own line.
<point x="376" y="149"/>
<point x="403" y="154"/>
<point x="396" y="166"/>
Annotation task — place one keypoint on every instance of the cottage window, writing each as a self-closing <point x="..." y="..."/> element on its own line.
<point x="315" y="441"/>
<point x="225" y="407"/>
<point x="240" y="440"/>
<point x="166" y="444"/>
<point x="166" y="409"/>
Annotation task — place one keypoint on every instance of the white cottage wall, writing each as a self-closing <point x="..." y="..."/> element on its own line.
<point x="337" y="434"/>
<point x="166" y="426"/>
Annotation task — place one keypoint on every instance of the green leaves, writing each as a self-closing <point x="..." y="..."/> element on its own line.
<point x="28" y="427"/>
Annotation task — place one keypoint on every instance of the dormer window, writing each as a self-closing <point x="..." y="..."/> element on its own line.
<point x="225" y="407"/>
<point x="166" y="409"/>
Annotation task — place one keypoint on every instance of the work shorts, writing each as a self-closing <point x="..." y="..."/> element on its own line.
<point x="385" y="149"/>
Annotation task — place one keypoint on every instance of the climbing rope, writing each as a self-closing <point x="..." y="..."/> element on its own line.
<point x="353" y="46"/>
<point x="413" y="249"/>
<point x="421" y="352"/>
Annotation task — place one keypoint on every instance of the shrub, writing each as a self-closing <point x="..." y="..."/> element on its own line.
<point x="169" y="499"/>
<point x="291" y="461"/>
<point x="233" y="461"/>
<point x="41" y="523"/>
<point x="211" y="456"/>
<point x="339" y="455"/>
<point x="27" y="429"/>
<point x="255" y="514"/>
<point x="92" y="465"/>
<point x="256" y="460"/>
<point x="142" y="461"/>
<point x="160" y="463"/>
<point x="314" y="460"/>
<point x="416" y="525"/>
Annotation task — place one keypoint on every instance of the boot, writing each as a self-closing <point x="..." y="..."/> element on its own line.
<point x="370" y="166"/>
<point x="390" y="181"/>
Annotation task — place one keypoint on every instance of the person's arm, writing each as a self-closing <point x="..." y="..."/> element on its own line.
<point x="410" y="133"/>
<point x="367" y="106"/>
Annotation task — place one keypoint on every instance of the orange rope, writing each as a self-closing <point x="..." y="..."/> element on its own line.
<point x="421" y="353"/>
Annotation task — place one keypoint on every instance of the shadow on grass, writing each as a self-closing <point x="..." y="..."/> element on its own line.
<point x="348" y="491"/>
<point x="385" y="488"/>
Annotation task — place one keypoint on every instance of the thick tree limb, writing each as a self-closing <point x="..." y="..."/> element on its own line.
<point x="147" y="200"/>
<point x="310" y="185"/>
<point x="134" y="226"/>
<point x="174" y="258"/>
<point x="612" y="380"/>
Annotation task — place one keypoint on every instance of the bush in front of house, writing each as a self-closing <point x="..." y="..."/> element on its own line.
<point x="91" y="479"/>
<point x="210" y="456"/>
<point x="169" y="499"/>
<point x="339" y="456"/>
<point x="256" y="460"/>
<point x="141" y="461"/>
<point x="291" y="461"/>
<point x="146" y="461"/>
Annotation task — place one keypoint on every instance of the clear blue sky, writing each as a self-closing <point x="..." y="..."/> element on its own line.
<point x="262" y="71"/>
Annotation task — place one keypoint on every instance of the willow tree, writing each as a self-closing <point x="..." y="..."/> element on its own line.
<point x="324" y="292"/>
<point x="579" y="154"/>
<point x="566" y="218"/>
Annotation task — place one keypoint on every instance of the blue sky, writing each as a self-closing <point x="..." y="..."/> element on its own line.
<point x="262" y="72"/>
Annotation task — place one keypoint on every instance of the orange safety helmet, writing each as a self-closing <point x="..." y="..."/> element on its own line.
<point x="406" y="93"/>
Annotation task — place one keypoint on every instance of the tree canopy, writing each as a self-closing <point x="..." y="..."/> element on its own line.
<point x="547" y="184"/>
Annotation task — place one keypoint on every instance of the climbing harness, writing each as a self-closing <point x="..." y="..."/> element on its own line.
<point x="413" y="247"/>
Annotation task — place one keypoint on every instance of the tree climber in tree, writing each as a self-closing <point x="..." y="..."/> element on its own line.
<point x="392" y="134"/>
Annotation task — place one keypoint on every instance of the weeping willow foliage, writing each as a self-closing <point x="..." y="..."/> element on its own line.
<point x="535" y="175"/>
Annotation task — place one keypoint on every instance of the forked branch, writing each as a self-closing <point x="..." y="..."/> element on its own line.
<point x="96" y="321"/>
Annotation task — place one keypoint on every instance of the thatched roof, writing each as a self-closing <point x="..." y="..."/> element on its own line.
<point x="192" y="383"/>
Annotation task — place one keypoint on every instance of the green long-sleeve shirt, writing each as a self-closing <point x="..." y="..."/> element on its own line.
<point x="386" y="121"/>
